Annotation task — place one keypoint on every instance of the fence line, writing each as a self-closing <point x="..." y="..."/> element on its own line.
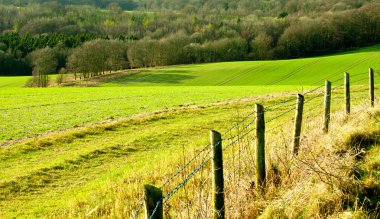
<point x="245" y="126"/>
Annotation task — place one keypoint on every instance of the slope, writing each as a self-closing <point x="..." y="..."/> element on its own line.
<point x="306" y="71"/>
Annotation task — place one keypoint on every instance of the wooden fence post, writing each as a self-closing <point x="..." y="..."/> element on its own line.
<point x="327" y="106"/>
<point x="298" y="124"/>
<point x="218" y="179"/>
<point x="153" y="202"/>
<point x="347" y="92"/>
<point x="371" y="87"/>
<point x="260" y="148"/>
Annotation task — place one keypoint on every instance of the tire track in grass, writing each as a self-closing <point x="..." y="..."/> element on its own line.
<point x="292" y="73"/>
<point x="353" y="65"/>
<point x="239" y="74"/>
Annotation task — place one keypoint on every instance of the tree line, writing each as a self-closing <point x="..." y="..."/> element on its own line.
<point x="124" y="4"/>
<point x="14" y="49"/>
<point x="264" y="7"/>
<point x="146" y="39"/>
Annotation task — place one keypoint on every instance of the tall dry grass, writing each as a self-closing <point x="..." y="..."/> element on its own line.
<point x="318" y="183"/>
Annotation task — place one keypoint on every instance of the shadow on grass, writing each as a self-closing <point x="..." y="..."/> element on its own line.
<point x="165" y="77"/>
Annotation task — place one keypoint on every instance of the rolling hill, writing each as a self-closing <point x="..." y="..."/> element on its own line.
<point x="75" y="152"/>
<point x="307" y="71"/>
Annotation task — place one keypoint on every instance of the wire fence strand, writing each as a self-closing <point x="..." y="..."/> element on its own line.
<point x="239" y="131"/>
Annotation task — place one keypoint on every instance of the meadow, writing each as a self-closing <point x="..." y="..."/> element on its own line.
<point x="99" y="145"/>
<point x="296" y="72"/>
<point x="8" y="81"/>
<point x="27" y="112"/>
<point x="103" y="166"/>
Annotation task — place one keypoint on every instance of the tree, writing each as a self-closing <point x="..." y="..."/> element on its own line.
<point x="262" y="46"/>
<point x="98" y="56"/>
<point x="44" y="62"/>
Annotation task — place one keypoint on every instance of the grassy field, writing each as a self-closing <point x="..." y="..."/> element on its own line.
<point x="7" y="82"/>
<point x="145" y="130"/>
<point x="308" y="71"/>
<point x="68" y="174"/>
<point x="26" y="112"/>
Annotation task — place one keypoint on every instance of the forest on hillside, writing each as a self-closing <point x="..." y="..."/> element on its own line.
<point x="267" y="7"/>
<point x="101" y="36"/>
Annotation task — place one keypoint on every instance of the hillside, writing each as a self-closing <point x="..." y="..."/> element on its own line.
<point x="268" y="7"/>
<point x="95" y="41"/>
<point x="124" y="4"/>
<point x="99" y="169"/>
<point x="189" y="109"/>
<point x="297" y="72"/>
<point x="123" y="95"/>
<point x="75" y="152"/>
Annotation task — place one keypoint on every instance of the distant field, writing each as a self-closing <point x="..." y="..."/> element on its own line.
<point x="25" y="112"/>
<point x="19" y="81"/>
<point x="307" y="71"/>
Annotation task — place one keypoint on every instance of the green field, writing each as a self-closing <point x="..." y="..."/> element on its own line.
<point x="6" y="82"/>
<point x="146" y="126"/>
<point x="308" y="71"/>
<point x="26" y="112"/>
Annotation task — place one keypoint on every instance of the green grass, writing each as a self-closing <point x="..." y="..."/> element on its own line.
<point x="13" y="81"/>
<point x="74" y="166"/>
<point x="69" y="173"/>
<point x="72" y="172"/>
<point x="307" y="71"/>
<point x="26" y="112"/>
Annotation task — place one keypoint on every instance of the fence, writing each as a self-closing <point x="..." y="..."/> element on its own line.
<point x="224" y="169"/>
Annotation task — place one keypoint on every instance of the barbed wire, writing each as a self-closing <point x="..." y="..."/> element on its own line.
<point x="237" y="140"/>
<point x="359" y="80"/>
<point x="185" y="166"/>
<point x="184" y="182"/>
<point x="281" y="106"/>
<point x="239" y="131"/>
<point x="280" y="102"/>
<point x="239" y="151"/>
<point x="189" y="176"/>
<point x="360" y="90"/>
<point x="313" y="90"/>
<point x="238" y="123"/>
<point x="278" y="126"/>
<point x="279" y="116"/>
<point x="137" y="211"/>
<point x="313" y="98"/>
<point x="243" y="132"/>
<point x="337" y="87"/>
<point x="200" y="187"/>
<point x="357" y="74"/>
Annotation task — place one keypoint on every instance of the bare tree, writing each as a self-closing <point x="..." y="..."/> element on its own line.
<point x="44" y="62"/>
